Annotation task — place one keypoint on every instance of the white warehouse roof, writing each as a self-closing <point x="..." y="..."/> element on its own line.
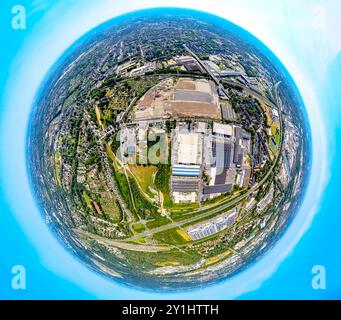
<point x="188" y="148"/>
<point x="223" y="129"/>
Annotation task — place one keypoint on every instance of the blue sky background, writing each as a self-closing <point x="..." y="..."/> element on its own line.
<point x="304" y="36"/>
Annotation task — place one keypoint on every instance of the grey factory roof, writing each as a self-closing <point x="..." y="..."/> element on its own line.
<point x="220" y="188"/>
<point x="246" y="135"/>
<point x="185" y="185"/>
<point x="191" y="66"/>
<point x="221" y="151"/>
<point x="183" y="95"/>
<point x="242" y="134"/>
<point x="237" y="151"/>
<point x="227" y="111"/>
<point x="220" y="178"/>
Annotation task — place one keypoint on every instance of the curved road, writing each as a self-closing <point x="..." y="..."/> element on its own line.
<point x="229" y="203"/>
<point x="243" y="196"/>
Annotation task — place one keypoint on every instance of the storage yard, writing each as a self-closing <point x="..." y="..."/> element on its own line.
<point x="182" y="98"/>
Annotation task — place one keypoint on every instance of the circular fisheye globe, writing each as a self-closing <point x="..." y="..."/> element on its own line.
<point x="168" y="149"/>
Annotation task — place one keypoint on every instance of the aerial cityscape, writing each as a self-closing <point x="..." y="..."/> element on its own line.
<point x="168" y="150"/>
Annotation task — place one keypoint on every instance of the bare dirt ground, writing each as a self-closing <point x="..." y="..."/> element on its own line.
<point x="186" y="85"/>
<point x="181" y="108"/>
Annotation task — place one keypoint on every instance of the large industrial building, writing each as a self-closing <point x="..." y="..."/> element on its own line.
<point x="221" y="152"/>
<point x="188" y="151"/>
<point x="207" y="160"/>
<point x="219" y="188"/>
<point x="222" y="129"/>
<point x="186" y="170"/>
<point x="185" y="190"/>
<point x="212" y="226"/>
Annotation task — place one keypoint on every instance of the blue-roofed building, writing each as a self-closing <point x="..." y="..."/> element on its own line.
<point x="186" y="170"/>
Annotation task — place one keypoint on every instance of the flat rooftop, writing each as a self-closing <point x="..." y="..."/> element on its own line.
<point x="186" y="170"/>
<point x="185" y="185"/>
<point x="222" y="129"/>
<point x="188" y="148"/>
<point x="185" y="98"/>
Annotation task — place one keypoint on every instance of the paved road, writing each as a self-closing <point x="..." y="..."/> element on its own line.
<point x="248" y="90"/>
<point x="108" y="175"/>
<point x="254" y="93"/>
<point x="215" y="79"/>
<point x="183" y="222"/>
<point x="228" y="204"/>
<point x="119" y="120"/>
<point x="225" y="205"/>
<point x="123" y="245"/>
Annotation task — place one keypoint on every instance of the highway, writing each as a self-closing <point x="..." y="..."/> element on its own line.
<point x="119" y="120"/>
<point x="109" y="178"/>
<point x="232" y="202"/>
<point x="248" y="90"/>
<point x="121" y="244"/>
<point x="214" y="78"/>
<point x="225" y="205"/>
<point x="254" y="93"/>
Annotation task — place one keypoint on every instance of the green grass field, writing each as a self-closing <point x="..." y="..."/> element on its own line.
<point x="144" y="176"/>
<point x="173" y="236"/>
<point x="275" y="131"/>
<point x="144" y="208"/>
<point x="273" y="148"/>
<point x="138" y="227"/>
<point x="57" y="161"/>
<point x="148" y="260"/>
<point x="159" y="221"/>
<point x="111" y="209"/>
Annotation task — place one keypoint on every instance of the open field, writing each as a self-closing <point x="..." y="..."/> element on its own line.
<point x="187" y="98"/>
<point x="184" y="234"/>
<point x="273" y="148"/>
<point x="267" y="113"/>
<point x="185" y="85"/>
<point x="162" y="177"/>
<point x="138" y="227"/>
<point x="275" y="131"/>
<point x="179" y="209"/>
<point x="111" y="209"/>
<point x="174" y="236"/>
<point x="167" y="264"/>
<point x="196" y="109"/>
<point x="217" y="258"/>
<point x="144" y="176"/>
<point x="99" y="117"/>
<point x="57" y="164"/>
<point x="148" y="260"/>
